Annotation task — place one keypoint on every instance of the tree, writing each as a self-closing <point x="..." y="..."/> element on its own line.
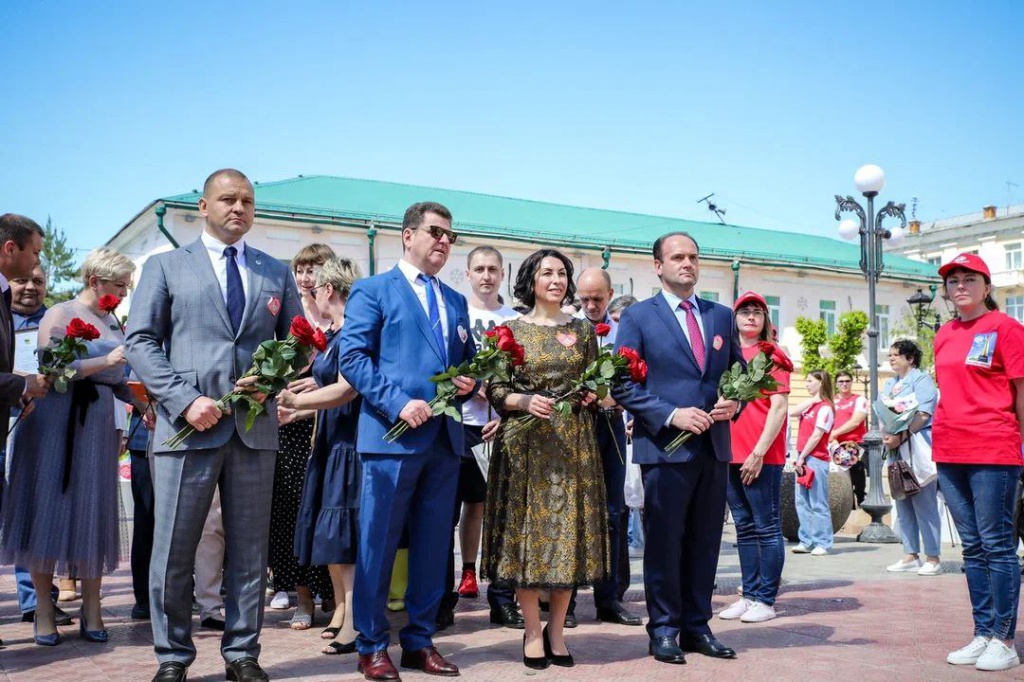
<point x="58" y="260"/>
<point x="923" y="336"/>
<point x="844" y="345"/>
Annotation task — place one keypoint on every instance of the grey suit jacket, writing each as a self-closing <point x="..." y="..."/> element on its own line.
<point x="181" y="345"/>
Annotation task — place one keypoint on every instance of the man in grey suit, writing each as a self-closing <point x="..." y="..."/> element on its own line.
<point x="197" y="316"/>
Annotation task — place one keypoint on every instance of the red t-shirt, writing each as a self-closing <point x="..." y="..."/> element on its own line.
<point x="747" y="429"/>
<point x="845" y="408"/>
<point x="975" y="365"/>
<point x="819" y="415"/>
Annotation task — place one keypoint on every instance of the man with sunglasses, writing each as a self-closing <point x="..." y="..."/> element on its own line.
<point x="851" y="417"/>
<point x="402" y="327"/>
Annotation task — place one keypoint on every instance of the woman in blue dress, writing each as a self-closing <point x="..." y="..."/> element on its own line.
<point x="326" y="527"/>
<point x="60" y="511"/>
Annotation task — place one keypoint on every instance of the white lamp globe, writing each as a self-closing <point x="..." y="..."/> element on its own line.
<point x="849" y="228"/>
<point x="897" y="236"/>
<point x="869" y="178"/>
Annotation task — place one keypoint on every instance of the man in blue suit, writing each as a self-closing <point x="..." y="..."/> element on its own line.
<point x="688" y="343"/>
<point x="402" y="327"/>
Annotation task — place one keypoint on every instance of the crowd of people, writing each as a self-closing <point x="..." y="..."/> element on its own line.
<point x="320" y="499"/>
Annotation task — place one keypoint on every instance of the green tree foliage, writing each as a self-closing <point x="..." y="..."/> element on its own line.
<point x="58" y="260"/>
<point x="923" y="336"/>
<point x="844" y="345"/>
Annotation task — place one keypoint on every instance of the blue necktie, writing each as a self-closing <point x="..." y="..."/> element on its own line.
<point x="435" y="315"/>
<point x="236" y="294"/>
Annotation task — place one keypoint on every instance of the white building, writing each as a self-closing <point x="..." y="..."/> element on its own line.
<point x="995" y="234"/>
<point x="800" y="275"/>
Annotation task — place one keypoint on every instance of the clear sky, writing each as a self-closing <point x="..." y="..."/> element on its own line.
<point x="638" y="106"/>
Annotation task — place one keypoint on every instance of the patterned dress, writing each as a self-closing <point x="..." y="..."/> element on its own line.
<point x="546" y="522"/>
<point x="47" y="524"/>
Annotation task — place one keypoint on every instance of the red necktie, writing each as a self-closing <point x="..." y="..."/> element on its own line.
<point x="696" y="340"/>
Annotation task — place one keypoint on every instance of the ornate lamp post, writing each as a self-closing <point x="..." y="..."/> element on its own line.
<point x="870" y="180"/>
<point x="921" y="304"/>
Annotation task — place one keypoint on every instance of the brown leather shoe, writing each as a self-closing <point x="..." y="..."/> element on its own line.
<point x="429" y="661"/>
<point x="377" y="666"/>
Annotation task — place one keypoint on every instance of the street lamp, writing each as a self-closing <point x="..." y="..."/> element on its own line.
<point x="921" y="305"/>
<point x="870" y="180"/>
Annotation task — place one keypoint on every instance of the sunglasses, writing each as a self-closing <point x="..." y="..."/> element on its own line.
<point x="436" y="232"/>
<point x="844" y="381"/>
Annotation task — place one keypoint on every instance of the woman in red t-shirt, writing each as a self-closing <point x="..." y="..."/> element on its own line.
<point x="979" y="364"/>
<point x="755" y="476"/>
<point x="817" y="415"/>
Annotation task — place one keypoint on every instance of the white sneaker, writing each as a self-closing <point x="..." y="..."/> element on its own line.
<point x="280" y="601"/>
<point x="736" y="609"/>
<point x="930" y="568"/>
<point x="902" y="566"/>
<point x="758" y="613"/>
<point x="801" y="549"/>
<point x="998" y="656"/>
<point x="969" y="654"/>
<point x="819" y="551"/>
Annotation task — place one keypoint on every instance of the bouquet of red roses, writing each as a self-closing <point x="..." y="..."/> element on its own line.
<point x="498" y="351"/>
<point x="274" y="364"/>
<point x="55" y="360"/>
<point x="746" y="385"/>
<point x="109" y="303"/>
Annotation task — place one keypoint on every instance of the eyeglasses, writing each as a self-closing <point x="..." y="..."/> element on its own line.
<point x="844" y="381"/>
<point x="750" y="312"/>
<point x="436" y="231"/>
<point x="120" y="284"/>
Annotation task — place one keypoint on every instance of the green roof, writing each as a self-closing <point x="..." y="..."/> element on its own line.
<point x="333" y="198"/>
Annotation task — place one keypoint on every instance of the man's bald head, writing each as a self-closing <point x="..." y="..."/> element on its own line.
<point x="223" y="172"/>
<point x="594" y="288"/>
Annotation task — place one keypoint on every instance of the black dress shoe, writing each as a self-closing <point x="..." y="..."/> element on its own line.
<point x="60" y="616"/>
<point x="140" y="612"/>
<point x="535" y="662"/>
<point x="556" y="659"/>
<point x="445" y="619"/>
<point x="666" y="650"/>
<point x="617" y="613"/>
<point x="245" y="669"/>
<point x="707" y="645"/>
<point x="507" y="615"/>
<point x="172" y="671"/>
<point x="570" y="620"/>
<point x="212" y="623"/>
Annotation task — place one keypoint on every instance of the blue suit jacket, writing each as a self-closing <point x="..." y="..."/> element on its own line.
<point x="673" y="378"/>
<point x="389" y="354"/>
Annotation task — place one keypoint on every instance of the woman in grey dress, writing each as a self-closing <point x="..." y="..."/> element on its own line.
<point x="60" y="511"/>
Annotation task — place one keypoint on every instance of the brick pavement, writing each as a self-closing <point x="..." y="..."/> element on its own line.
<point x="841" y="618"/>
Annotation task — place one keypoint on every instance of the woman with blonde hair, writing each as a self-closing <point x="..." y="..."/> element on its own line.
<point x="60" y="512"/>
<point x="328" y="518"/>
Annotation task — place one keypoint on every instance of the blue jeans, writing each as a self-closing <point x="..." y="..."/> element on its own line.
<point x="636" y="529"/>
<point x="759" y="541"/>
<point x="812" y="508"/>
<point x="982" y="499"/>
<point x="918" y="517"/>
<point x="27" y="591"/>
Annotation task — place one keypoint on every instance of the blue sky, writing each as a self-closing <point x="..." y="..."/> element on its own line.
<point x="636" y="106"/>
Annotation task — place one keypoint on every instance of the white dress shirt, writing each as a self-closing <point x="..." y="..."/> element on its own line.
<point x="215" y="250"/>
<point x="411" y="272"/>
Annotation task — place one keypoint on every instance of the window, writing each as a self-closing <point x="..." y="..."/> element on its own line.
<point x="935" y="260"/>
<point x="882" y="311"/>
<point x="1013" y="257"/>
<point x="827" y="312"/>
<point x="709" y="296"/>
<point x="774" y="310"/>
<point x="1015" y="307"/>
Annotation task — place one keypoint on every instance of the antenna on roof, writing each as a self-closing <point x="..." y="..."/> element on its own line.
<point x="719" y="212"/>
<point x="1009" y="193"/>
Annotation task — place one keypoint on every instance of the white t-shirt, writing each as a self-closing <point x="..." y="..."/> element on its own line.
<point x="474" y="412"/>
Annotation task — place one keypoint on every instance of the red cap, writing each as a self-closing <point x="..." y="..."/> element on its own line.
<point x="749" y="297"/>
<point x="966" y="261"/>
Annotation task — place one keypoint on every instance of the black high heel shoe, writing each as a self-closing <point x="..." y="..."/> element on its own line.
<point x="563" y="661"/>
<point x="536" y="663"/>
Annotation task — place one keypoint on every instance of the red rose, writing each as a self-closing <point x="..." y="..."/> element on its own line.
<point x="638" y="371"/>
<point x="108" y="303"/>
<point x="320" y="340"/>
<point x="766" y="347"/>
<point x="602" y="329"/>
<point x="628" y="352"/>
<point x="302" y="330"/>
<point x="506" y="340"/>
<point x="518" y="355"/>
<point x="80" y="329"/>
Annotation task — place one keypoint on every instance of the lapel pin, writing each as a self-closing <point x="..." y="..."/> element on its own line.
<point x="717" y="343"/>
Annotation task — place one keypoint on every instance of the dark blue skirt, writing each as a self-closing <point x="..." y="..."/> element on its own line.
<point x="327" y="527"/>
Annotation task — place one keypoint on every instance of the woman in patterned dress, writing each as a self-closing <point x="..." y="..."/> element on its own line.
<point x="60" y="511"/>
<point x="289" y="471"/>
<point x="546" y="524"/>
<point x="328" y="518"/>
